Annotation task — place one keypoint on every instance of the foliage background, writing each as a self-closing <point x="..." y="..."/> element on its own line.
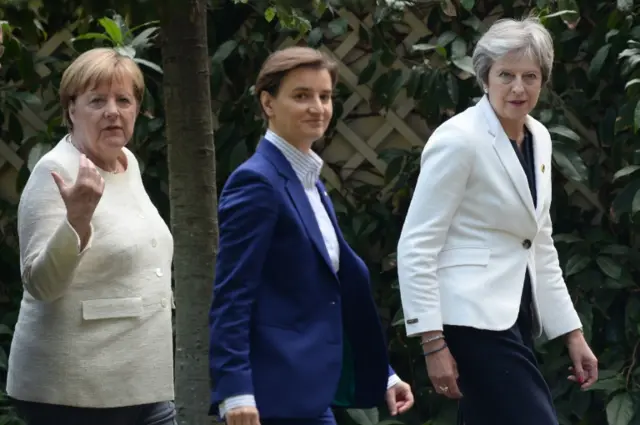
<point x="591" y="108"/>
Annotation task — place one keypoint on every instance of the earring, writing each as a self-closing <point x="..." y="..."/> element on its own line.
<point x="486" y="90"/>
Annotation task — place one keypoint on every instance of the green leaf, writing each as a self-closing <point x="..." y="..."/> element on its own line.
<point x="314" y="37"/>
<point x="598" y="61"/>
<point x="338" y="26"/>
<point x="629" y="169"/>
<point x="570" y="163"/>
<point x="609" y="267"/>
<point x="465" y="63"/>
<point x="93" y="36"/>
<point x="566" y="238"/>
<point x="468" y="4"/>
<point x="636" y="117"/>
<point x="223" y="51"/>
<point x="563" y="131"/>
<point x="576" y="264"/>
<point x="270" y="13"/>
<point x="625" y="5"/>
<point x="446" y="38"/>
<point x="149" y="65"/>
<point x="112" y="29"/>
<point x="458" y="48"/>
<point x="620" y="409"/>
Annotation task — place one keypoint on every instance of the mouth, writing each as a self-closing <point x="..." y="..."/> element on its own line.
<point x="112" y="128"/>
<point x="517" y="102"/>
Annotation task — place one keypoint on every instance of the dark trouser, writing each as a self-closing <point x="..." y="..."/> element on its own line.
<point x="54" y="414"/>
<point x="499" y="376"/>
<point x="325" y="419"/>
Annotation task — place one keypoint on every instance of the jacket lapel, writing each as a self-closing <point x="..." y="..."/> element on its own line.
<point x="540" y="153"/>
<point x="299" y="198"/>
<point x="507" y="155"/>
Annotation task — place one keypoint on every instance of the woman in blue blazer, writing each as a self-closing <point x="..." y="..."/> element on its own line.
<point x="294" y="329"/>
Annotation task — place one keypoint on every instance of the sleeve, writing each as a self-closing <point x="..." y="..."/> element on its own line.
<point x="49" y="246"/>
<point x="557" y="312"/>
<point x="446" y="164"/>
<point x="247" y="217"/>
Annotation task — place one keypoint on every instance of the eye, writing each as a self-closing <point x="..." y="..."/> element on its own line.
<point x="325" y="97"/>
<point x="300" y="96"/>
<point x="124" y="100"/>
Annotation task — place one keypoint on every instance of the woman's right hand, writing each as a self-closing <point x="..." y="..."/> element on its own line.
<point x="442" y="369"/>
<point x="242" y="416"/>
<point x="81" y="198"/>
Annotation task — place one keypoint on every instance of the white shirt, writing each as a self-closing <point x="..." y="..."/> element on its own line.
<point x="307" y="167"/>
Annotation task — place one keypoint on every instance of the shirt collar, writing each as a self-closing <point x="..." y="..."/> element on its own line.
<point x="307" y="166"/>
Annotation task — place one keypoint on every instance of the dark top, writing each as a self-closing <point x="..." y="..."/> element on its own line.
<point x="525" y="155"/>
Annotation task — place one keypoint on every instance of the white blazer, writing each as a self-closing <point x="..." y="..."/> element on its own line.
<point x="472" y="230"/>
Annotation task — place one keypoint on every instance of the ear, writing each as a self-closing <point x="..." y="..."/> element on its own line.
<point x="266" y="101"/>
<point x="72" y="112"/>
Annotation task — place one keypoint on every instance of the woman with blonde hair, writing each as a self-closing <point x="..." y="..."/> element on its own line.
<point x="294" y="329"/>
<point x="478" y="271"/>
<point x="93" y="341"/>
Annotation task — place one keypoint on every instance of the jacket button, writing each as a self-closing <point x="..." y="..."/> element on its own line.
<point x="526" y="244"/>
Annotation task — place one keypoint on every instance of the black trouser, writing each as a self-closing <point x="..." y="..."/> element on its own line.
<point x="54" y="414"/>
<point x="499" y="376"/>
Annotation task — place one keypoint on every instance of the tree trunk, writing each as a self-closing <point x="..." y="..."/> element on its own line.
<point x="192" y="187"/>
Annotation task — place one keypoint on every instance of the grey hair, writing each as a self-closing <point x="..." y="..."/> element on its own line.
<point x="527" y="37"/>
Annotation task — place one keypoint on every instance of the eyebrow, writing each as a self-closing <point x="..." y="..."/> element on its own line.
<point x="307" y="89"/>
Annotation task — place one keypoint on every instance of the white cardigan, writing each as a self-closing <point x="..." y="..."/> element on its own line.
<point x="472" y="230"/>
<point x="94" y="328"/>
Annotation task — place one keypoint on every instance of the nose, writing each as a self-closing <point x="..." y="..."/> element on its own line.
<point x="111" y="109"/>
<point x="315" y="106"/>
<point x="518" y="86"/>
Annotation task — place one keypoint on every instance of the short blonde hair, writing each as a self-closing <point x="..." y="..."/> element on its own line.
<point x="96" y="67"/>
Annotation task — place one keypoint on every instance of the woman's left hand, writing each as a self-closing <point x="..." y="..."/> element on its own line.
<point x="585" y="364"/>
<point x="399" y="398"/>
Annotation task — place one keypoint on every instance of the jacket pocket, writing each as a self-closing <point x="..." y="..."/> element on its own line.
<point x="112" y="308"/>
<point x="466" y="256"/>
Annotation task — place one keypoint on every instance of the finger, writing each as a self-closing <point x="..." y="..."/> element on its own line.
<point x="406" y="404"/>
<point x="579" y="372"/>
<point x="454" y="392"/>
<point x="391" y="402"/>
<point x="59" y="181"/>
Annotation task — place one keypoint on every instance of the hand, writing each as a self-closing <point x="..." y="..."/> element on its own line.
<point x="585" y="364"/>
<point x="242" y="416"/>
<point x="81" y="198"/>
<point x="399" y="398"/>
<point x="443" y="371"/>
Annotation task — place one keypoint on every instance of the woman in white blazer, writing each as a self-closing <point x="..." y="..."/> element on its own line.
<point x="93" y="341"/>
<point x="478" y="270"/>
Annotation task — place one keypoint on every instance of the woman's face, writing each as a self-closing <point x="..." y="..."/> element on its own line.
<point x="302" y="109"/>
<point x="514" y="85"/>
<point x="103" y="118"/>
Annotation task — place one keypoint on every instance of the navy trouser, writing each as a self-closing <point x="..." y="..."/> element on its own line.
<point x="499" y="376"/>
<point x="54" y="414"/>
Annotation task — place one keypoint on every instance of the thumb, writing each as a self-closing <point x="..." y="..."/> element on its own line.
<point x="391" y="401"/>
<point x="59" y="182"/>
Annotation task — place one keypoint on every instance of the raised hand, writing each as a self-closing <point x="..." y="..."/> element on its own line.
<point x="81" y="198"/>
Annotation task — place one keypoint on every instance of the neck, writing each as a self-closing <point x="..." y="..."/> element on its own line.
<point x="304" y="147"/>
<point x="110" y="165"/>
<point x="514" y="129"/>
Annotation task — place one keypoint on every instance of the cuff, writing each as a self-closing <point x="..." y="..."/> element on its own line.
<point x="418" y="324"/>
<point x="245" y="400"/>
<point x="393" y="380"/>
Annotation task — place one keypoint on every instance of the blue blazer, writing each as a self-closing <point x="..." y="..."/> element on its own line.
<point x="284" y="326"/>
